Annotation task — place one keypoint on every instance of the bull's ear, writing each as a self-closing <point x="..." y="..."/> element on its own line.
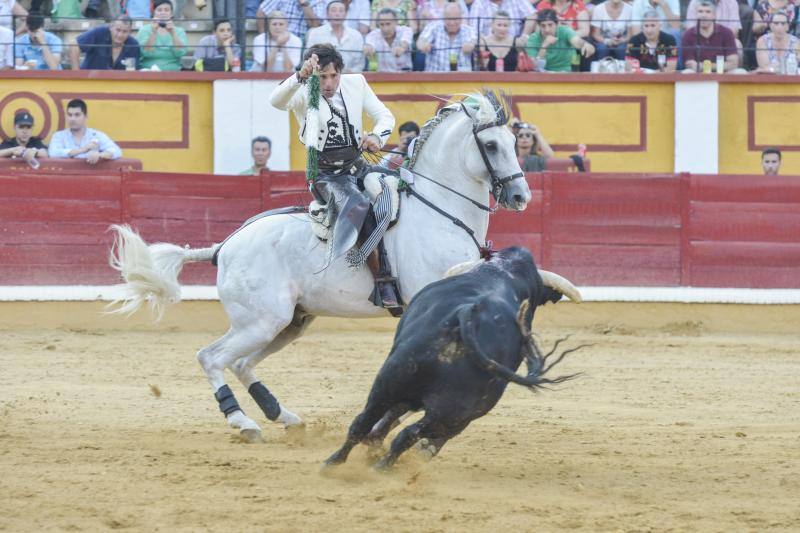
<point x="551" y="295"/>
<point x="545" y="294"/>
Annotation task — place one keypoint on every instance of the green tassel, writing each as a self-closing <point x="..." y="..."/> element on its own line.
<point x="312" y="158"/>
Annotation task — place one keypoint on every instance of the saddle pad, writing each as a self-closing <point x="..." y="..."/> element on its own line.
<point x="319" y="216"/>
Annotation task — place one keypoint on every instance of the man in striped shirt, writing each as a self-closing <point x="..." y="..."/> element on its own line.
<point x="448" y="44"/>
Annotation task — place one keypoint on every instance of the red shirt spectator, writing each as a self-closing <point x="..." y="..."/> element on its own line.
<point x="698" y="48"/>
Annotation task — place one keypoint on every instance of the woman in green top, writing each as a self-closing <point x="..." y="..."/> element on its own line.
<point x="163" y="43"/>
<point x="553" y="45"/>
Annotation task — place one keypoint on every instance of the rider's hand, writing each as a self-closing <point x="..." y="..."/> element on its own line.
<point x="371" y="143"/>
<point x="308" y="67"/>
<point x="28" y="154"/>
<point x="549" y="40"/>
<point x="93" y="157"/>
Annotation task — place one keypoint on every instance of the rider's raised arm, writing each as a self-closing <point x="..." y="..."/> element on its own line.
<point x="289" y="95"/>
<point x="379" y="113"/>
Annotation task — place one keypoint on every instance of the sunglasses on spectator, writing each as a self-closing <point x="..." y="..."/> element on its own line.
<point x="525" y="135"/>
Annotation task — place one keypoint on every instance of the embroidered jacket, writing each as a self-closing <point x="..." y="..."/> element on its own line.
<point x="291" y="95"/>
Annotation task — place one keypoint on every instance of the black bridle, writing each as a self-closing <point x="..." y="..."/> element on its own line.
<point x="498" y="182"/>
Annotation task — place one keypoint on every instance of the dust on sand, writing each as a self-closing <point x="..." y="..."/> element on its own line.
<point x="686" y="418"/>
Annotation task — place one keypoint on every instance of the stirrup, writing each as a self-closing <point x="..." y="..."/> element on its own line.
<point x="388" y="283"/>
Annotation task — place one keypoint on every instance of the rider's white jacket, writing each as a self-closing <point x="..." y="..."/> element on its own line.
<point x="291" y="95"/>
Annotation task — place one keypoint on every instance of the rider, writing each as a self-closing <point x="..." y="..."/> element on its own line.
<point x="340" y="141"/>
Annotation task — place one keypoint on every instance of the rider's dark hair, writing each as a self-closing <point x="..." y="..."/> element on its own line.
<point x="547" y="15"/>
<point x="326" y="54"/>
<point x="771" y="151"/>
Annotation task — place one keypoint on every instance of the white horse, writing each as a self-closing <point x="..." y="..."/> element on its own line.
<point x="269" y="276"/>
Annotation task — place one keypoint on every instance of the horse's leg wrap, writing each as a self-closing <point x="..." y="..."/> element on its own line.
<point x="227" y="401"/>
<point x="265" y="400"/>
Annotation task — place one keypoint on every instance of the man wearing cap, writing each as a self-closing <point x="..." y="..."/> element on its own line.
<point x="23" y="144"/>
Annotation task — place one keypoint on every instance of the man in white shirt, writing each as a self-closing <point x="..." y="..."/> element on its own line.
<point x="80" y="142"/>
<point x="390" y="43"/>
<point x="347" y="41"/>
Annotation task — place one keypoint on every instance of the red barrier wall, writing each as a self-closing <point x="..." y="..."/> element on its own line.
<point x="596" y="229"/>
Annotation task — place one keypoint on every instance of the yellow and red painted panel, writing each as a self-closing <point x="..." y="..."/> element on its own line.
<point x="627" y="127"/>
<point x="756" y="116"/>
<point x="165" y="123"/>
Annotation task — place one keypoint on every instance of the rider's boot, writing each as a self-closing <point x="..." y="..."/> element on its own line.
<point x="385" y="293"/>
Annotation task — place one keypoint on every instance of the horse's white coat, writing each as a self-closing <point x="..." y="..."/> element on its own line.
<point x="273" y="266"/>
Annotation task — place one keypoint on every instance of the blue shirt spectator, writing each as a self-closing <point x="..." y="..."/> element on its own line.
<point x="38" y="49"/>
<point x="63" y="142"/>
<point x="107" y="47"/>
<point x="80" y="142"/>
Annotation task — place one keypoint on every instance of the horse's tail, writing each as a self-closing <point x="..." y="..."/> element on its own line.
<point x="150" y="273"/>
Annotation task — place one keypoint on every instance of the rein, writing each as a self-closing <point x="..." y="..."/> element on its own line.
<point x="497" y="187"/>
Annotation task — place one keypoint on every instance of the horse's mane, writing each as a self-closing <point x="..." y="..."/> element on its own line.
<point x="492" y="107"/>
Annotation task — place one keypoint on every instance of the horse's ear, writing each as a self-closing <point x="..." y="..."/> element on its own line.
<point x="471" y="112"/>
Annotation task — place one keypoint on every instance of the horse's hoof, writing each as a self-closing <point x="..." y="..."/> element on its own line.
<point x="288" y="418"/>
<point x="251" y="435"/>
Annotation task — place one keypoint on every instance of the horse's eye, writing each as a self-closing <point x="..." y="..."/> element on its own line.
<point x="491" y="146"/>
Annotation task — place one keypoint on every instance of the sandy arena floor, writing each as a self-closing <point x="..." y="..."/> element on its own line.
<point x="687" y="418"/>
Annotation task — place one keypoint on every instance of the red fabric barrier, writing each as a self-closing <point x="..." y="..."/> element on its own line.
<point x="596" y="229"/>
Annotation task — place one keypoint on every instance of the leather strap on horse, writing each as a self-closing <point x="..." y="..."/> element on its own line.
<point x="485" y="250"/>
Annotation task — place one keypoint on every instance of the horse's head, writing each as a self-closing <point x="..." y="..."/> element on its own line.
<point x="492" y="156"/>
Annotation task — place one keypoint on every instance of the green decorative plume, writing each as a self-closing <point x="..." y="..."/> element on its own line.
<point x="312" y="158"/>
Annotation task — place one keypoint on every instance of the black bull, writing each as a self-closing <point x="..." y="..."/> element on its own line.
<point x="455" y="350"/>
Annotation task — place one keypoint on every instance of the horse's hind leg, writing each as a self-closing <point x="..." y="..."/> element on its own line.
<point x="244" y="371"/>
<point x="224" y="352"/>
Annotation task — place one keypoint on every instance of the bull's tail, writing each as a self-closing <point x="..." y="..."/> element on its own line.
<point x="150" y="273"/>
<point x="537" y="364"/>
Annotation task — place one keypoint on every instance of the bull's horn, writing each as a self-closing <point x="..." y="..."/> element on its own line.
<point x="460" y="268"/>
<point x="562" y="285"/>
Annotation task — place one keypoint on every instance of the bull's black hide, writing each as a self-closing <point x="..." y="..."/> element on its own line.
<point x="455" y="350"/>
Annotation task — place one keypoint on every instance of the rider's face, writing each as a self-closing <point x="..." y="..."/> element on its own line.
<point x="329" y="80"/>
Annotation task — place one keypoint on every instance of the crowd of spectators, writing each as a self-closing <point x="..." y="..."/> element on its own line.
<point x="403" y="35"/>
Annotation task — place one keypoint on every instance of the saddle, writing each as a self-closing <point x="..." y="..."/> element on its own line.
<point x="320" y="217"/>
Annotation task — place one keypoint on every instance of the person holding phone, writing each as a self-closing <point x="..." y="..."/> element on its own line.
<point x="164" y="43"/>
